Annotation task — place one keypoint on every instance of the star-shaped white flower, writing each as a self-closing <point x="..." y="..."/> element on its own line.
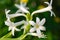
<point x="38" y="26"/>
<point x="12" y="26"/>
<point x="49" y="8"/>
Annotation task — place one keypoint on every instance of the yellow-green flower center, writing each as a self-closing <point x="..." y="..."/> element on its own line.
<point x="36" y="25"/>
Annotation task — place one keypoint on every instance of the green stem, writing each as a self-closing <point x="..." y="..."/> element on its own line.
<point x="22" y="37"/>
<point x="29" y="17"/>
<point x="7" y="35"/>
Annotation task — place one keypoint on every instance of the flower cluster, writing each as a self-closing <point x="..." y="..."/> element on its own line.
<point x="30" y="27"/>
<point x="12" y="25"/>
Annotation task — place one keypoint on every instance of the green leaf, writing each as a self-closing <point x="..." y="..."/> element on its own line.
<point x="9" y="39"/>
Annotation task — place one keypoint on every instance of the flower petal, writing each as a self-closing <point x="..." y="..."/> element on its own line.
<point x="42" y="21"/>
<point x="38" y="31"/>
<point x="51" y="2"/>
<point x="16" y="15"/>
<point x="33" y="34"/>
<point x="41" y="10"/>
<point x="42" y="36"/>
<point x="9" y="28"/>
<point x="32" y="23"/>
<point x="7" y="11"/>
<point x="22" y="8"/>
<point x="52" y="13"/>
<point x="42" y="28"/>
<point x="19" y="23"/>
<point x="17" y="29"/>
<point x="37" y="20"/>
<point x="47" y="3"/>
<point x="13" y="31"/>
<point x="32" y="30"/>
<point x="7" y="23"/>
<point x="18" y="6"/>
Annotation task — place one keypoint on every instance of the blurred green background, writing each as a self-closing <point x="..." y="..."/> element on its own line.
<point x="52" y="23"/>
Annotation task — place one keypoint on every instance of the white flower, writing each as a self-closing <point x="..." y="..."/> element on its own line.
<point x="21" y="8"/>
<point x="38" y="26"/>
<point x="12" y="26"/>
<point x="49" y="8"/>
<point x="9" y="16"/>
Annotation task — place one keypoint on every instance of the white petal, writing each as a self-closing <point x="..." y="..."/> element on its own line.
<point x="17" y="29"/>
<point x="13" y="31"/>
<point x="7" y="11"/>
<point x="41" y="10"/>
<point x="42" y="21"/>
<point x="33" y="34"/>
<point x="37" y="20"/>
<point x="18" y="6"/>
<point x="32" y="30"/>
<point x="16" y="15"/>
<point x="7" y="23"/>
<point x="51" y="2"/>
<point x="38" y="31"/>
<point x="22" y="8"/>
<point x="9" y="28"/>
<point x="42" y="28"/>
<point x="19" y="23"/>
<point x="52" y="13"/>
<point x="32" y="23"/>
<point x="42" y="36"/>
<point x="22" y="27"/>
<point x="47" y="3"/>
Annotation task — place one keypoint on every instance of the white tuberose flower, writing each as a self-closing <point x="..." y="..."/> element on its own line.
<point x="38" y="26"/>
<point x="49" y="8"/>
<point x="9" y="16"/>
<point x="21" y="8"/>
<point x="12" y="26"/>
